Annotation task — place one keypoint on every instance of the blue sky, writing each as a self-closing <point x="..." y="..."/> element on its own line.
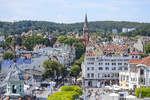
<point x="70" y="11"/>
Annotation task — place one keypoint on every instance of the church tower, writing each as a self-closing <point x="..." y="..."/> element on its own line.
<point x="85" y="31"/>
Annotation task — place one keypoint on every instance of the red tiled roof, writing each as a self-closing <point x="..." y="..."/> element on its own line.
<point x="90" y="54"/>
<point x="135" y="61"/>
<point x="146" y="61"/>
<point x="114" y="49"/>
<point x="136" y="53"/>
<point x="28" y="56"/>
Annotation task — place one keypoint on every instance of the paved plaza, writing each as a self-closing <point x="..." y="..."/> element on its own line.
<point x="98" y="94"/>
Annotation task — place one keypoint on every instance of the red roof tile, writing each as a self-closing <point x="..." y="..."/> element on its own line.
<point x="136" y="53"/>
<point x="135" y="61"/>
<point x="90" y="54"/>
<point x="146" y="61"/>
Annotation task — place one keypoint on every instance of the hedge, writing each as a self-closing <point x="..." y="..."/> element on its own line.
<point x="66" y="93"/>
<point x="72" y="88"/>
<point x="145" y="92"/>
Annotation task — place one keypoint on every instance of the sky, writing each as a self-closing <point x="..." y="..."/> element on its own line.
<point x="71" y="11"/>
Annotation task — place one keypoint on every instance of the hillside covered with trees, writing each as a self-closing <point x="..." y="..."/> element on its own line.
<point x="96" y="26"/>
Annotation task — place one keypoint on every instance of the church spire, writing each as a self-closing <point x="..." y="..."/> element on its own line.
<point x="85" y="31"/>
<point x="85" y="28"/>
<point x="86" y="22"/>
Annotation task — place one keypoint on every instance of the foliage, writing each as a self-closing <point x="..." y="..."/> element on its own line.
<point x="76" y="67"/>
<point x="8" y="55"/>
<point x="144" y="55"/>
<point x="57" y="28"/>
<point x="145" y="92"/>
<point x="63" y="71"/>
<point x="79" y="47"/>
<point x="74" y="71"/>
<point x="79" y="61"/>
<point x="52" y="68"/>
<point x="141" y="30"/>
<point x="71" y="95"/>
<point x="147" y="48"/>
<point x="31" y="41"/>
<point x="72" y="88"/>
<point x="66" y="93"/>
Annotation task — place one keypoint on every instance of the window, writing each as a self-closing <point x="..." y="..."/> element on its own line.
<point x="88" y="68"/>
<point x="100" y="68"/>
<point x="136" y="56"/>
<point x="114" y="68"/>
<point x="120" y="68"/>
<point x="106" y="63"/>
<point x="88" y="75"/>
<point x="127" y="78"/>
<point x="125" y="64"/>
<point x="98" y="75"/>
<point x="116" y="75"/>
<point x="106" y="68"/>
<point x="90" y="63"/>
<point x="141" y="72"/>
<point x="100" y="63"/>
<point x="119" y="63"/>
<point x="132" y="56"/>
<point x="92" y="75"/>
<point x="113" y="63"/>
<point x="14" y="90"/>
<point x="126" y="68"/>
<point x="92" y="68"/>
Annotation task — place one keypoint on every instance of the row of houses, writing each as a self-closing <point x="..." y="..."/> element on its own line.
<point x="111" y="63"/>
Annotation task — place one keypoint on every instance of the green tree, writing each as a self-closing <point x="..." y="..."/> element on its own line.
<point x="79" y="61"/>
<point x="8" y="55"/>
<point x="67" y="93"/>
<point x="147" y="48"/>
<point x="52" y="69"/>
<point x="74" y="71"/>
<point x="64" y="71"/>
<point x="80" y="49"/>
<point x="62" y="39"/>
<point x="29" y="43"/>
<point x="19" y="40"/>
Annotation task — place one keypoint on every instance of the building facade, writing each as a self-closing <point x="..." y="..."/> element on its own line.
<point x="137" y="75"/>
<point x="103" y="66"/>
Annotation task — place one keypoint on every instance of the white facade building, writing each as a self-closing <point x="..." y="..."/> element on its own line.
<point x="104" y="67"/>
<point x="138" y="74"/>
<point x="128" y="29"/>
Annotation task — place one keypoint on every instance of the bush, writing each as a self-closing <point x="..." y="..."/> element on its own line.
<point x="8" y="55"/>
<point x="72" y="88"/>
<point x="66" y="93"/>
<point x="63" y="95"/>
<point x="145" y="92"/>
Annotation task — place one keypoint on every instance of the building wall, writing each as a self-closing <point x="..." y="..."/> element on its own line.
<point x="104" y="68"/>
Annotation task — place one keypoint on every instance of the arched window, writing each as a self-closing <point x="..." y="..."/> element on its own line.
<point x="14" y="90"/>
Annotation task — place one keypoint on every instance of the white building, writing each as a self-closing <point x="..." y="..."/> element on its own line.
<point x="115" y="31"/>
<point x="131" y="29"/>
<point x="64" y="54"/>
<point x="124" y="29"/>
<point x="103" y="65"/>
<point x="138" y="74"/>
<point x="128" y="29"/>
